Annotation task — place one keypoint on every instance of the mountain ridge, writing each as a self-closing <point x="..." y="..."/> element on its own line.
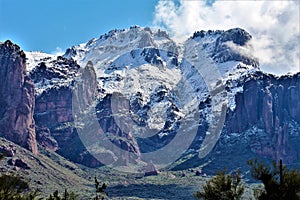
<point x="158" y="78"/>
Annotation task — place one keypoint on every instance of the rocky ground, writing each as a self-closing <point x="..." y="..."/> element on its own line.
<point x="49" y="172"/>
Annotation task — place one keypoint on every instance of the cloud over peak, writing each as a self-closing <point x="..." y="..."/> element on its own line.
<point x="274" y="26"/>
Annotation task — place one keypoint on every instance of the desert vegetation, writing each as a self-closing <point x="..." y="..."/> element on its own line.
<point x="278" y="181"/>
<point x="222" y="186"/>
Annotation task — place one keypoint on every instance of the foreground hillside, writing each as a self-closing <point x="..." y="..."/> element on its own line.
<point x="49" y="172"/>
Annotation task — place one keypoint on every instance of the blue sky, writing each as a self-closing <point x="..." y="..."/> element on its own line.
<point x="47" y="24"/>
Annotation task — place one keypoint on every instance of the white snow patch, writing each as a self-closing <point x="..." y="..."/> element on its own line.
<point x="33" y="58"/>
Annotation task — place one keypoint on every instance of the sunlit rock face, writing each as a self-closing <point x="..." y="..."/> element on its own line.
<point x="16" y="98"/>
<point x="271" y="104"/>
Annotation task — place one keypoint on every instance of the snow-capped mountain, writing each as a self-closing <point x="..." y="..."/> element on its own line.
<point x="149" y="88"/>
<point x="141" y="59"/>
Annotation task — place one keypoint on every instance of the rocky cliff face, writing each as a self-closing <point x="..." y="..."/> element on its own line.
<point x="265" y="123"/>
<point x="121" y="138"/>
<point x="54" y="111"/>
<point x="271" y="104"/>
<point x="16" y="98"/>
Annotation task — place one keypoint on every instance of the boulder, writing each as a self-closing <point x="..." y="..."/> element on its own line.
<point x="21" y="163"/>
<point x="7" y="151"/>
<point x="151" y="170"/>
<point x="198" y="173"/>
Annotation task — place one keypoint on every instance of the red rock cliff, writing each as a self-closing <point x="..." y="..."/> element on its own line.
<point x="16" y="98"/>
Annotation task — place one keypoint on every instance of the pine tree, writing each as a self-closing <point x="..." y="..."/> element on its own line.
<point x="278" y="181"/>
<point x="66" y="196"/>
<point x="100" y="191"/>
<point x="222" y="186"/>
<point x="14" y="187"/>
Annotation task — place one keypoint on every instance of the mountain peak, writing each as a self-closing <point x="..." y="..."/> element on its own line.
<point x="232" y="45"/>
<point x="17" y="97"/>
<point x="236" y="35"/>
<point x="8" y="47"/>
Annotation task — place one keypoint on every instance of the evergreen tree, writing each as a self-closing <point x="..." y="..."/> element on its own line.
<point x="222" y="186"/>
<point x="100" y="191"/>
<point x="279" y="182"/>
<point x="14" y="187"/>
<point x="66" y="196"/>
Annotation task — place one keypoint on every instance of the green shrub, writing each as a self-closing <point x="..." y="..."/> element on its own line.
<point x="66" y="196"/>
<point x="13" y="187"/>
<point x="284" y="187"/>
<point x="222" y="186"/>
<point x="100" y="191"/>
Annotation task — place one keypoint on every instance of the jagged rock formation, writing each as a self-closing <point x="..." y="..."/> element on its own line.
<point x="269" y="103"/>
<point x="143" y="67"/>
<point x="265" y="123"/>
<point x="54" y="110"/>
<point x="16" y="98"/>
<point x="45" y="139"/>
<point x="223" y="52"/>
<point x="121" y="138"/>
<point x="85" y="91"/>
<point x="226" y="45"/>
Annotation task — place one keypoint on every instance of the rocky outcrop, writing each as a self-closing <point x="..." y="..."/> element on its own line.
<point x="151" y="170"/>
<point x="271" y="104"/>
<point x="21" y="163"/>
<point x="122" y="139"/>
<point x="16" y="98"/>
<point x="45" y="139"/>
<point x="54" y="107"/>
<point x="227" y="45"/>
<point x="85" y="90"/>
<point x="54" y="104"/>
<point x="7" y="151"/>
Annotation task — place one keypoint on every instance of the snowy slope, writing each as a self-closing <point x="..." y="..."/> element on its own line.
<point x="33" y="58"/>
<point x="116" y="55"/>
<point x="122" y="54"/>
<point x="107" y="48"/>
<point x="142" y="61"/>
<point x="49" y="71"/>
<point x="153" y="88"/>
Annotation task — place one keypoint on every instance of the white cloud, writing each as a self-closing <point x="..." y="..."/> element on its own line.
<point x="58" y="52"/>
<point x="274" y="26"/>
